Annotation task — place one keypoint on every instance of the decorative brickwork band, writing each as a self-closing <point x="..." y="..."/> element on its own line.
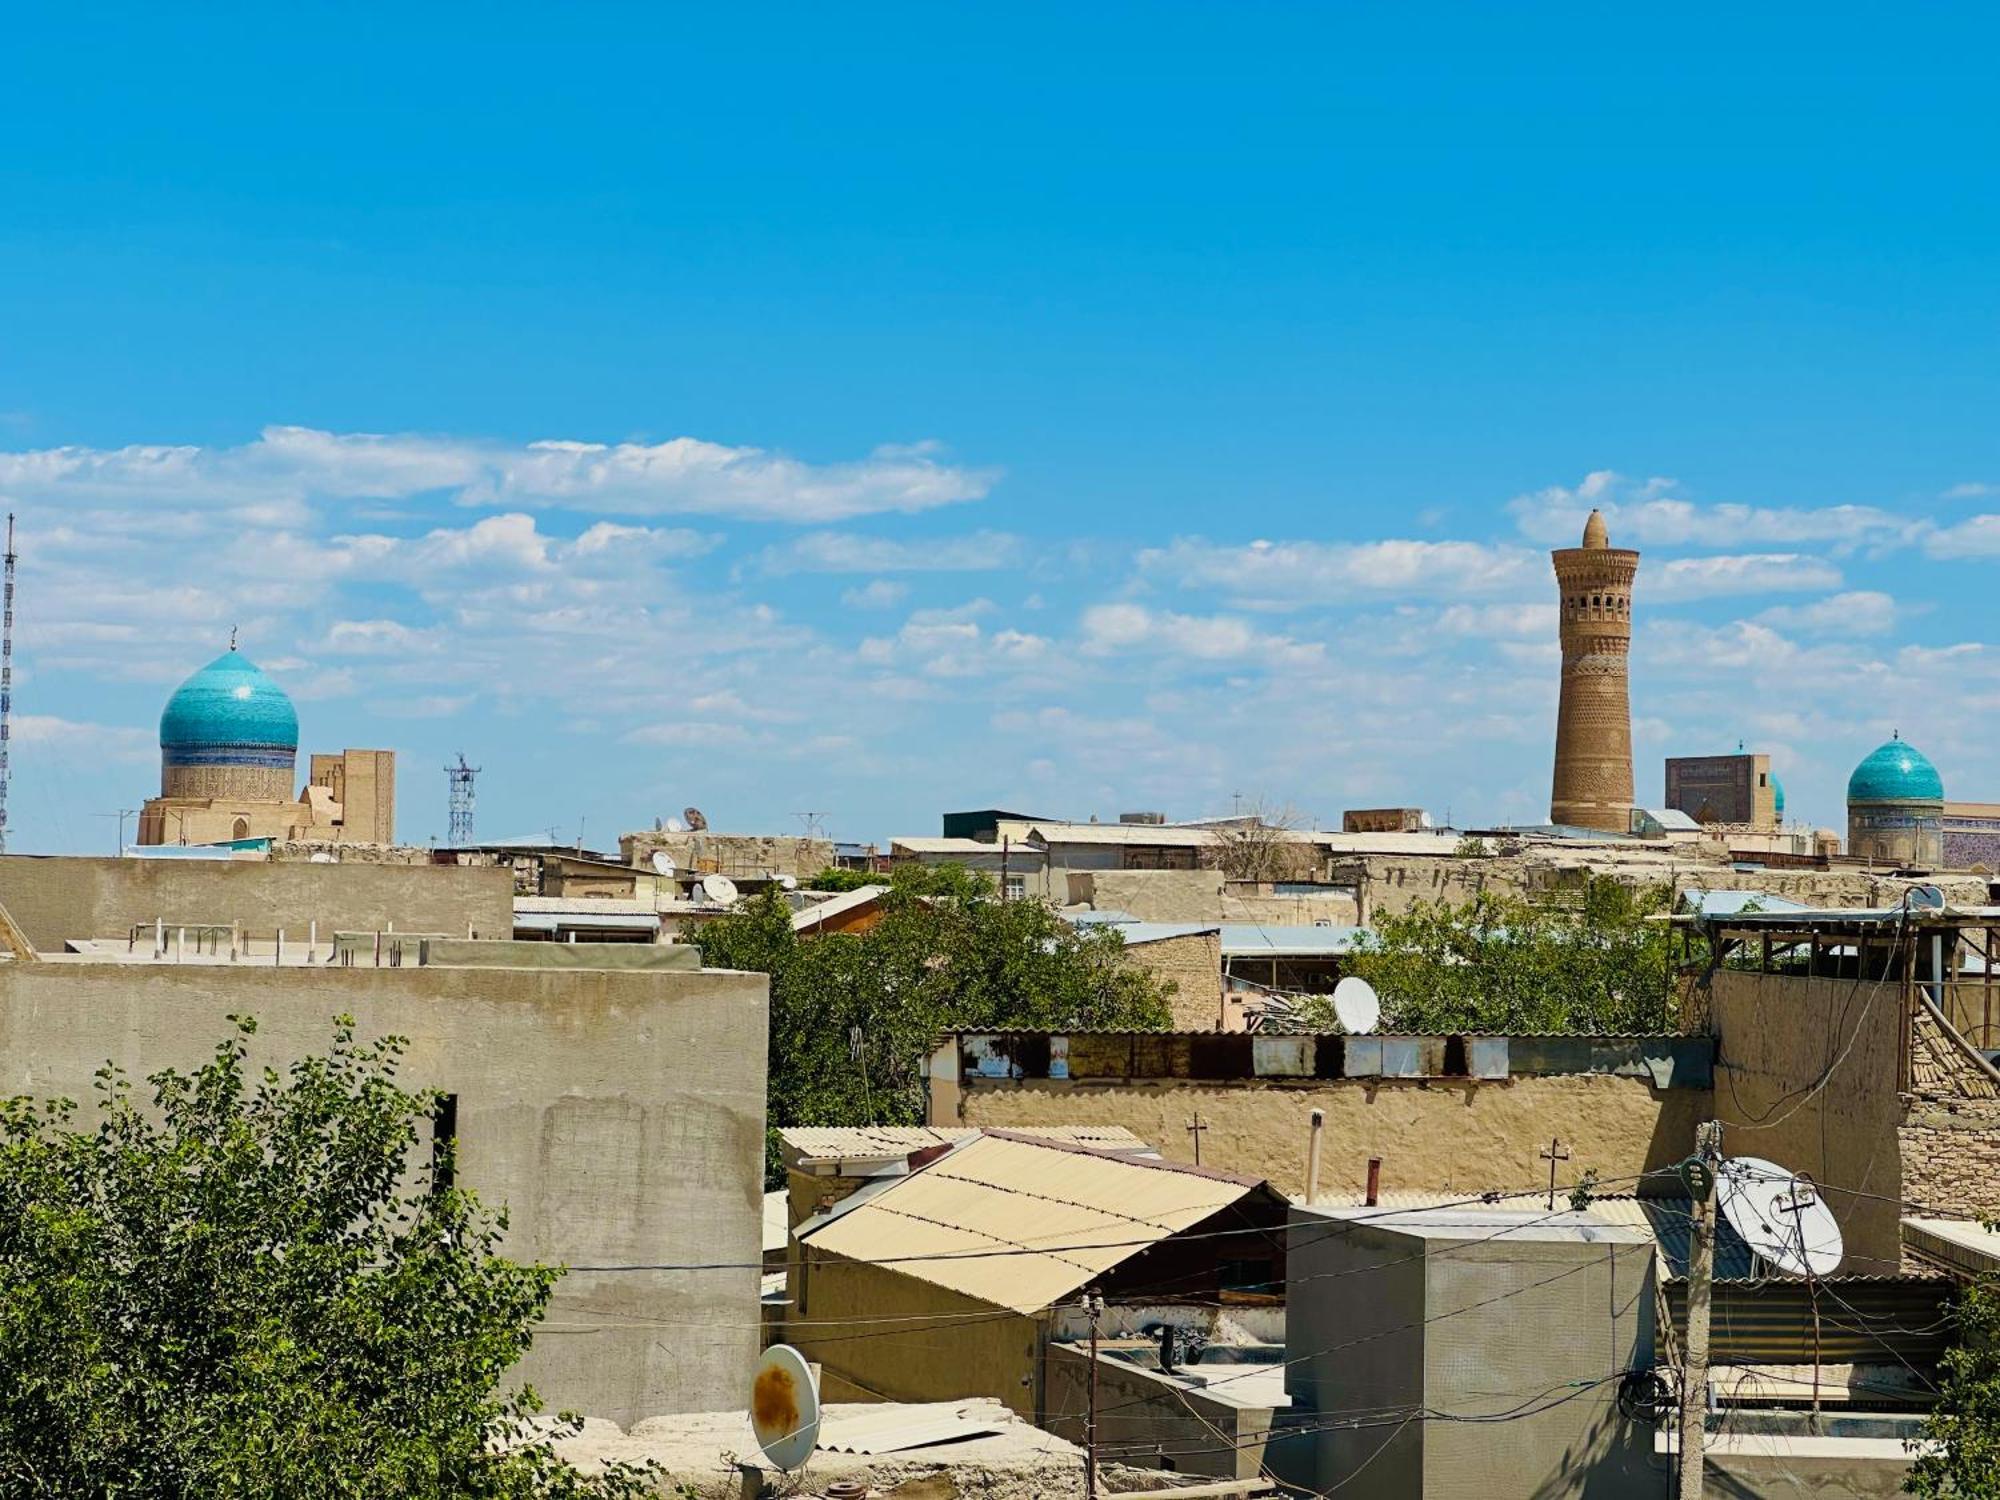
<point x="1593" y="766"/>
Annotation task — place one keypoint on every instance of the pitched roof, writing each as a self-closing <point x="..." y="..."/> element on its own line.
<point x="809" y="1145"/>
<point x="982" y="1210"/>
<point x="816" y="916"/>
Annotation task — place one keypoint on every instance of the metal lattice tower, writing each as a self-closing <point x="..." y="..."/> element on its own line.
<point x="461" y="801"/>
<point x="6" y="675"/>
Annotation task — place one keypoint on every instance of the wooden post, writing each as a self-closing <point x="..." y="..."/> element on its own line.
<point x="1701" y="1278"/>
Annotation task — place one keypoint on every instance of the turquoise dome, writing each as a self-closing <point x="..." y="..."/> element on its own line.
<point x="1778" y="795"/>
<point x="229" y="714"/>
<point x="1895" y="772"/>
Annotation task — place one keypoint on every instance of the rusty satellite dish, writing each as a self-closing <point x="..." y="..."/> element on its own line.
<point x="695" y="820"/>
<point x="784" y="1407"/>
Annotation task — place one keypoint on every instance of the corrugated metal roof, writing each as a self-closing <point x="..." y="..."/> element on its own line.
<point x="1007" y="1194"/>
<point x="894" y="1427"/>
<point x="821" y="912"/>
<point x="1246" y="939"/>
<point x="857" y="1143"/>
<point x="1138" y="934"/>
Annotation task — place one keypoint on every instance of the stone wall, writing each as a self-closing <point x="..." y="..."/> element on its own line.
<point x="1207" y="896"/>
<point x="58" y="897"/>
<point x="730" y="853"/>
<point x="618" y="1117"/>
<point x="1193" y="965"/>
<point x="1951" y="1157"/>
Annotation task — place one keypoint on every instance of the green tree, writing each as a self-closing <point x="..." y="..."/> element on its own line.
<point x="250" y="1289"/>
<point x="1959" y="1446"/>
<point x="1505" y="964"/>
<point x="854" y="1014"/>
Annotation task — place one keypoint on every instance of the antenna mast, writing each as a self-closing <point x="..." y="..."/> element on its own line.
<point x="6" y="675"/>
<point x="461" y="802"/>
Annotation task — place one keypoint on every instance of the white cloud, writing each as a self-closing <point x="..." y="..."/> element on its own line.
<point x="1977" y="536"/>
<point x="681" y="476"/>
<point x="1755" y="573"/>
<point x="1861" y="612"/>
<point x="1111" y="628"/>
<point x="1971" y="491"/>
<point x="1647" y="513"/>
<point x="36" y="732"/>
<point x="846" y="552"/>
<point x="879" y="593"/>
<point x="1280" y="575"/>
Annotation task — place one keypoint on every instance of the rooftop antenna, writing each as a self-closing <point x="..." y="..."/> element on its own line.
<point x="461" y="776"/>
<point x="814" y="827"/>
<point x="6" y="677"/>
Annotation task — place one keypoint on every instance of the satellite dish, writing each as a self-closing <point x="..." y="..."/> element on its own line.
<point x="1924" y="898"/>
<point x="694" y="818"/>
<point x="784" y="1407"/>
<point x="1780" y="1215"/>
<point x="663" y="862"/>
<point x="675" y="825"/>
<point x="719" y="888"/>
<point x="1357" y="1005"/>
<point x="789" y="882"/>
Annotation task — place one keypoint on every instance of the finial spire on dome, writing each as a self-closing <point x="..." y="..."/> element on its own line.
<point x="1594" y="532"/>
<point x="232" y="638"/>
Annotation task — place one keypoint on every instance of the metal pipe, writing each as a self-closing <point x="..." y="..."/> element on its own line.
<point x="1374" y="1181"/>
<point x="1312" y="1155"/>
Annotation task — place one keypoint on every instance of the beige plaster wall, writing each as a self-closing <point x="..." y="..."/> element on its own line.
<point x="1432" y="1135"/>
<point x="952" y="1345"/>
<point x="1777" y="1036"/>
<point x="57" y="897"/>
<point x="619" y="1117"/>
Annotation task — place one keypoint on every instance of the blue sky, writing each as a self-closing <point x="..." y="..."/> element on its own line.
<point x="1079" y="410"/>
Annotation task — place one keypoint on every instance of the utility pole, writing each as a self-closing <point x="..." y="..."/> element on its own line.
<point x="1093" y="1304"/>
<point x="6" y="673"/>
<point x="121" y="815"/>
<point x="1699" y="1173"/>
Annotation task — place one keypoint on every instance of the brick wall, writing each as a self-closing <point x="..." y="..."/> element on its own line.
<point x="1194" y="965"/>
<point x="1951" y="1157"/>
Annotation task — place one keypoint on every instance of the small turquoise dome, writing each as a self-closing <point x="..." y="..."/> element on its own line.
<point x="229" y="714"/>
<point x="1778" y="795"/>
<point x="1895" y="772"/>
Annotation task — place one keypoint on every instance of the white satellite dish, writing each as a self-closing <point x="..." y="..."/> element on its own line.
<point x="1357" y="1005"/>
<point x="784" y="1407"/>
<point x="719" y="888"/>
<point x="663" y="862"/>
<point x="789" y="882"/>
<point x="675" y="825"/>
<point x="1780" y="1215"/>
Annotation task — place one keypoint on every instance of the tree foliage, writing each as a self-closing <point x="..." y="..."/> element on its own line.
<point x="853" y="1014"/>
<point x="1505" y="964"/>
<point x="250" y="1289"/>
<point x="1959" y="1456"/>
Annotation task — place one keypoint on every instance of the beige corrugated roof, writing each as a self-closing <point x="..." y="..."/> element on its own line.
<point x="857" y="1143"/>
<point x="1009" y="1194"/>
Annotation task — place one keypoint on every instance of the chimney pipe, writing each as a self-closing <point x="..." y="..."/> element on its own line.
<point x="1374" y="1181"/>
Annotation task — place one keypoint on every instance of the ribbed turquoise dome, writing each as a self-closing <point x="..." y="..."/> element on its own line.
<point x="229" y="714"/>
<point x="1895" y="772"/>
<point x="1778" y="795"/>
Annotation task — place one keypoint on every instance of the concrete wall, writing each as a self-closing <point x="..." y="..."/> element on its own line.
<point x="57" y="897"/>
<point x="1432" y="1134"/>
<point x="1778" y="1035"/>
<point x="1148" y="1412"/>
<point x="1205" y="896"/>
<point x="619" y="1117"/>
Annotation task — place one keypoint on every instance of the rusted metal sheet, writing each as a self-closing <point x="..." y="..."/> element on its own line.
<point x="1100" y="1055"/>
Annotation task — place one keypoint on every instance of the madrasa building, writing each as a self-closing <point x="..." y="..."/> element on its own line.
<point x="229" y="744"/>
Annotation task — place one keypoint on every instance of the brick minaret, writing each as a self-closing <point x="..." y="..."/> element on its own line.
<point x="1593" y="780"/>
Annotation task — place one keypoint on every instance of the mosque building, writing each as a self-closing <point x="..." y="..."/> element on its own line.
<point x="229" y="744"/>
<point x="1895" y="807"/>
